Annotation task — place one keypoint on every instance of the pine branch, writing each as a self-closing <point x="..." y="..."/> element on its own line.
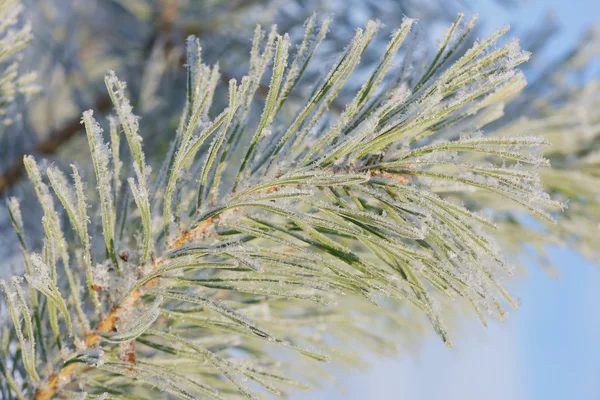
<point x="257" y="225"/>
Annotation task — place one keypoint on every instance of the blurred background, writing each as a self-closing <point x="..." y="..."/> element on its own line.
<point x="546" y="350"/>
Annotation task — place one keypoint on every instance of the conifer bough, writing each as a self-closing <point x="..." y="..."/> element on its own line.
<point x="270" y="232"/>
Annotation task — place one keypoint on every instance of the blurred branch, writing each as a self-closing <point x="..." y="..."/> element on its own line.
<point x="55" y="140"/>
<point x="50" y="145"/>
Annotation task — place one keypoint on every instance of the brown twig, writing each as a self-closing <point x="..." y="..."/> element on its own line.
<point x="108" y="322"/>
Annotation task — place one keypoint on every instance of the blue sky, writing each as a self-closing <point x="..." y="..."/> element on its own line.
<point x="549" y="349"/>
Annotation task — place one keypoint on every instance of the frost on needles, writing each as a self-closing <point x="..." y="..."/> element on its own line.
<point x="299" y="230"/>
